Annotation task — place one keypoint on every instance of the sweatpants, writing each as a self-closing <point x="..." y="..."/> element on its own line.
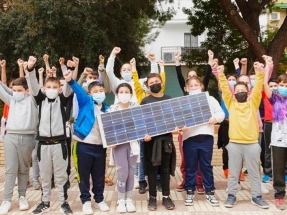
<point x="279" y="159"/>
<point x="125" y="164"/>
<point x="250" y="154"/>
<point x="198" y="150"/>
<point x="35" y="163"/>
<point x="91" y="162"/>
<point x="53" y="160"/>
<point x="18" y="154"/>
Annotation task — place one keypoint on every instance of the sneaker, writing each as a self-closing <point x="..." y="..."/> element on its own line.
<point x="210" y="198"/>
<point x="36" y="185"/>
<point x="180" y="187"/>
<point x="42" y="208"/>
<point x="225" y="173"/>
<point x="152" y="203"/>
<point x="230" y="201"/>
<point x="130" y="207"/>
<point x="143" y="186"/>
<point x="280" y="205"/>
<point x="200" y="189"/>
<point x="158" y="185"/>
<point x="242" y="177"/>
<point x="23" y="203"/>
<point x="264" y="190"/>
<point x="245" y="172"/>
<point x="168" y="203"/>
<point x="266" y="179"/>
<point x="108" y="181"/>
<point x="103" y="206"/>
<point x="87" y="208"/>
<point x="259" y="202"/>
<point x="189" y="198"/>
<point x="5" y="207"/>
<point x="121" y="208"/>
<point x="238" y="188"/>
<point x="66" y="209"/>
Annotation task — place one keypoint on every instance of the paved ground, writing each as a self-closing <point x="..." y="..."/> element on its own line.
<point x="201" y="207"/>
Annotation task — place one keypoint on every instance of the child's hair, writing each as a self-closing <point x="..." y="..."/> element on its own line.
<point x="196" y="78"/>
<point x="20" y="82"/>
<point x="228" y="76"/>
<point x="94" y="84"/>
<point x="152" y="75"/>
<point x="282" y="78"/>
<point x="53" y="79"/>
<point x="124" y="85"/>
<point x="123" y="65"/>
<point x="94" y="73"/>
<point x="273" y="80"/>
<point x="241" y="83"/>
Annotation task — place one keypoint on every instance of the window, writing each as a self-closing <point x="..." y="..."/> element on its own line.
<point x="190" y="40"/>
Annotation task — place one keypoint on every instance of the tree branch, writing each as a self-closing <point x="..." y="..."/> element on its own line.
<point x="264" y="3"/>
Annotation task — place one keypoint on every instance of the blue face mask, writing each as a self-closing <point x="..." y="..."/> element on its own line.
<point x="127" y="76"/>
<point x="282" y="91"/>
<point x="252" y="82"/>
<point x="232" y="83"/>
<point x="99" y="97"/>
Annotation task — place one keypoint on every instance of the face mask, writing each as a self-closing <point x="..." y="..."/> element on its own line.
<point x="18" y="96"/>
<point x="52" y="93"/>
<point x="241" y="97"/>
<point x="252" y="82"/>
<point x="99" y="97"/>
<point x="249" y="86"/>
<point x="282" y="91"/>
<point x="274" y="89"/>
<point x="146" y="89"/>
<point x="90" y="81"/>
<point x="127" y="76"/>
<point x="194" y="92"/>
<point x="232" y="83"/>
<point x="124" y="98"/>
<point x="155" y="88"/>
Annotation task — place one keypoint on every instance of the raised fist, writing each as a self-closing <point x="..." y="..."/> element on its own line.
<point x="177" y="56"/>
<point x="41" y="70"/>
<point x="62" y="61"/>
<point x="76" y="60"/>
<point x="3" y="63"/>
<point x="71" y="63"/>
<point x="116" y="50"/>
<point x="31" y="62"/>
<point x="151" y="56"/>
<point x="161" y="63"/>
<point x="133" y="62"/>
<point x="68" y="75"/>
<point x="46" y="58"/>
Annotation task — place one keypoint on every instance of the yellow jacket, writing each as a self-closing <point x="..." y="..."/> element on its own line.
<point x="140" y="93"/>
<point x="243" y="125"/>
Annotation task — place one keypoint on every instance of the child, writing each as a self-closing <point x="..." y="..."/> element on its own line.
<point x="167" y="163"/>
<point x="89" y="154"/>
<point x="19" y="141"/>
<point x="278" y="137"/>
<point x="52" y="150"/>
<point x="243" y="144"/>
<point x="125" y="155"/>
<point x="198" y="147"/>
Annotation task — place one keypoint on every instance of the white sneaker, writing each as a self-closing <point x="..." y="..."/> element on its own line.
<point x="87" y="208"/>
<point x="238" y="188"/>
<point x="23" y="203"/>
<point x="103" y="206"/>
<point x="264" y="190"/>
<point x="5" y="207"/>
<point x="121" y="208"/>
<point x="130" y="207"/>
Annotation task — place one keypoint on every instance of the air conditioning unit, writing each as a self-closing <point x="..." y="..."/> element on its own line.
<point x="274" y="16"/>
<point x="168" y="57"/>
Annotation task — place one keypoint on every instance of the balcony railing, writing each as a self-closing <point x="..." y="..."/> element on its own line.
<point x="167" y="53"/>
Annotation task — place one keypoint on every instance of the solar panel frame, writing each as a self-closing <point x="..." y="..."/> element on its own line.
<point x="131" y="124"/>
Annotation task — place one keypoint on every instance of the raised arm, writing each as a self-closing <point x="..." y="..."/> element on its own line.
<point x="21" y="68"/>
<point x="41" y="79"/>
<point x="31" y="78"/>
<point x="207" y="74"/>
<point x="140" y="93"/>
<point x="46" y="61"/>
<point x="4" y="96"/>
<point x="257" y="90"/>
<point x="3" y="71"/>
<point x="243" y="62"/>
<point x="236" y="66"/>
<point x="153" y="63"/>
<point x="162" y="75"/>
<point x="7" y="89"/>
<point x="223" y="83"/>
<point x="180" y="77"/>
<point x="75" y="72"/>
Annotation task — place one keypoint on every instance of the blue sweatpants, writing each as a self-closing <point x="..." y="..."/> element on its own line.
<point x="198" y="150"/>
<point x="91" y="160"/>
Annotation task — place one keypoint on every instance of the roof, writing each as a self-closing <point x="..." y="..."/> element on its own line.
<point x="280" y="6"/>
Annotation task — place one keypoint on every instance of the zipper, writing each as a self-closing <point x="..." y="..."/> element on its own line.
<point x="50" y="119"/>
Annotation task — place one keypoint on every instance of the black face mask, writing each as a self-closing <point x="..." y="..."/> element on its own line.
<point x="155" y="88"/>
<point x="241" y="97"/>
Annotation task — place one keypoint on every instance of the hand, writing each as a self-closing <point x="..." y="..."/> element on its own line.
<point x="20" y="62"/>
<point x="25" y="66"/>
<point x="133" y="62"/>
<point x="236" y="61"/>
<point x="151" y="56"/>
<point x="184" y="129"/>
<point x="258" y="67"/>
<point x="268" y="59"/>
<point x="41" y="70"/>
<point x="68" y="75"/>
<point x="3" y="63"/>
<point x="62" y="61"/>
<point x="116" y="51"/>
<point x="31" y="62"/>
<point x="147" y="138"/>
<point x="87" y="70"/>
<point x="46" y="58"/>
<point x="54" y="70"/>
<point x="76" y="61"/>
<point x="212" y="121"/>
<point x="176" y="130"/>
<point x="177" y="56"/>
<point x="214" y="63"/>
<point x="49" y="73"/>
<point x="220" y="69"/>
<point x="161" y="63"/>
<point x="71" y="63"/>
<point x="101" y="59"/>
<point x="243" y="61"/>
<point x="210" y="57"/>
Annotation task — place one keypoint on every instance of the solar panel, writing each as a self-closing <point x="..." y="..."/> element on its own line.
<point x="156" y="118"/>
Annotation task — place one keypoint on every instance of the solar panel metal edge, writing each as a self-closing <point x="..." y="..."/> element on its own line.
<point x="202" y="104"/>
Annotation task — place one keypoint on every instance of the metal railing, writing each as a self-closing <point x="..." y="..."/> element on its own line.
<point x="167" y="52"/>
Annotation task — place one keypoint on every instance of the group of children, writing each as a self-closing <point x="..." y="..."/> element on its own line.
<point x="41" y="110"/>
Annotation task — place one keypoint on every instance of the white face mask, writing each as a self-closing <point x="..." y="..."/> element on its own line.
<point x="18" y="96"/>
<point x="194" y="92"/>
<point x="124" y="98"/>
<point x="99" y="97"/>
<point x="52" y="93"/>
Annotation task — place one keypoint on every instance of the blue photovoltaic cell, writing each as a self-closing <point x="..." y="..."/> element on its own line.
<point x="155" y="119"/>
